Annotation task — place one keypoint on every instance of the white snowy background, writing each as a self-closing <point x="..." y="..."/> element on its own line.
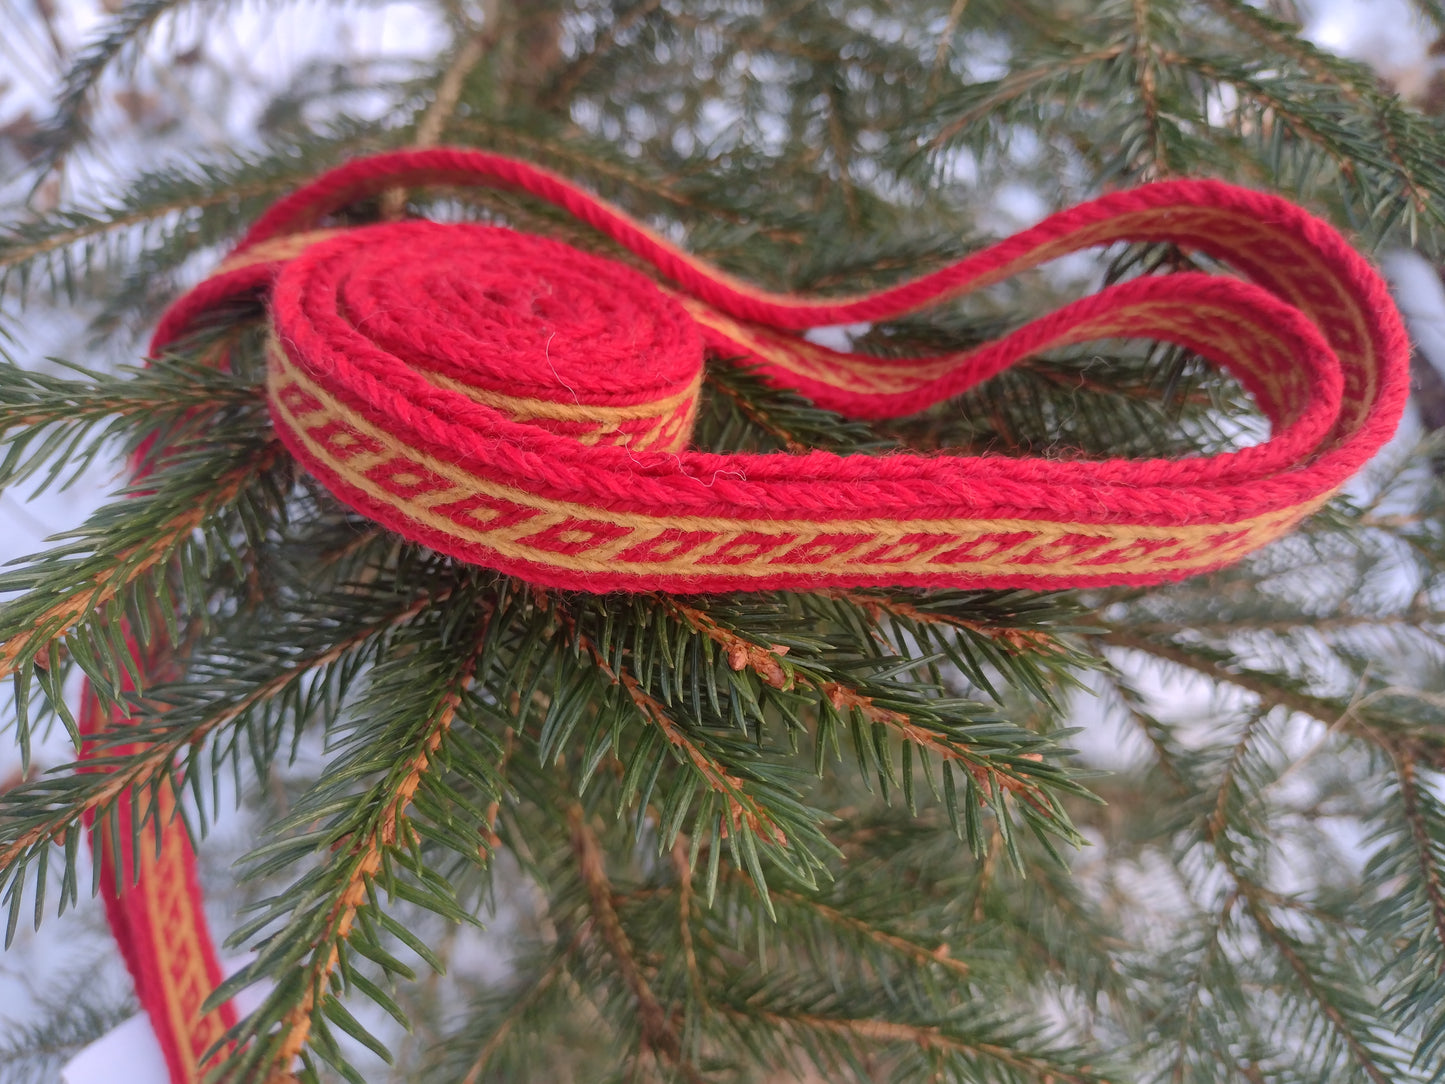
<point x="246" y="55"/>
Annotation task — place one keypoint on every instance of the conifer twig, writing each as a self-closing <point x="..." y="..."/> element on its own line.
<point x="499" y="1035"/>
<point x="870" y="1030"/>
<point x="387" y="828"/>
<point x="742" y="809"/>
<point x="434" y="120"/>
<point x="156" y="758"/>
<point x="766" y="663"/>
<point x="658" y="1034"/>
<point x="128" y="566"/>
<point x="1332" y="715"/>
<point x="1408" y="775"/>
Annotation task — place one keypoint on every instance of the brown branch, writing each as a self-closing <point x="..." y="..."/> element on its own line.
<point x="945" y="43"/>
<point x="750" y="410"/>
<point x="1325" y="711"/>
<point x="1018" y="84"/>
<point x="1146" y="61"/>
<point x="367" y="852"/>
<point x="494" y="807"/>
<point x="1286" y="949"/>
<point x="765" y="39"/>
<point x="498" y="134"/>
<point x="740" y="805"/>
<point x="1310" y="622"/>
<point x="1137" y="716"/>
<point x="499" y="1036"/>
<point x="842" y="156"/>
<point x="741" y="808"/>
<point x="1317" y="67"/>
<point x="1196" y="986"/>
<point x="1218" y="820"/>
<point x="683" y="870"/>
<point x="1419" y="833"/>
<point x="766" y="663"/>
<point x="226" y="195"/>
<point x="561" y="90"/>
<point x="449" y="90"/>
<point x="434" y="120"/>
<point x="925" y="1037"/>
<point x="1257" y="901"/>
<point x="901" y="945"/>
<point x="659" y="1036"/>
<point x="1345" y="719"/>
<point x="117" y="407"/>
<point x="1249" y="90"/>
<point x="1015" y="640"/>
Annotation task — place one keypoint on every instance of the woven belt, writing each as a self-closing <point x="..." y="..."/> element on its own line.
<point x="516" y="403"/>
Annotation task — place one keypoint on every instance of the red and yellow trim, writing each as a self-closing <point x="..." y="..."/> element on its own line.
<point x="517" y="403"/>
<point x="153" y="903"/>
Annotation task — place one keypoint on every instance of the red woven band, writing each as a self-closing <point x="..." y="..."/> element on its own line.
<point x="516" y="403"/>
<point x="153" y="900"/>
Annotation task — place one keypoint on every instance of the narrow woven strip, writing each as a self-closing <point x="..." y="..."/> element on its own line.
<point x="517" y="403"/>
<point x="153" y="900"/>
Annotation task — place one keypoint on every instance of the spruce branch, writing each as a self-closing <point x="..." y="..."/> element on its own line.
<point x="619" y="178"/>
<point x="1187" y="1029"/>
<point x="751" y="804"/>
<point x="438" y="114"/>
<point x="945" y="45"/>
<point x="183" y="207"/>
<point x="112" y="557"/>
<point x="909" y="714"/>
<point x="658" y="1035"/>
<point x="68" y="127"/>
<point x="372" y="843"/>
<point x="741" y="811"/>
<point x="1375" y="1063"/>
<point x="1417" y="847"/>
<point x="50" y="809"/>
<point x="1426" y="848"/>
<point x="981" y="101"/>
<point x="1146" y="76"/>
<point x="519" y="1007"/>
<point x="33" y="1053"/>
<point x="942" y="1045"/>
<point x="566" y="81"/>
<point x="1339" y="1002"/>
<point x="56" y="421"/>
<point x="739" y="407"/>
<point x="1341" y="715"/>
<point x="875" y="933"/>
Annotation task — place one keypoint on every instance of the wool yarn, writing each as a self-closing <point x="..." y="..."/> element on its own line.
<point x="517" y="403"/>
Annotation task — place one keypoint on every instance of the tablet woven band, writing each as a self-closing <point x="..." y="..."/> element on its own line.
<point x="517" y="403"/>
